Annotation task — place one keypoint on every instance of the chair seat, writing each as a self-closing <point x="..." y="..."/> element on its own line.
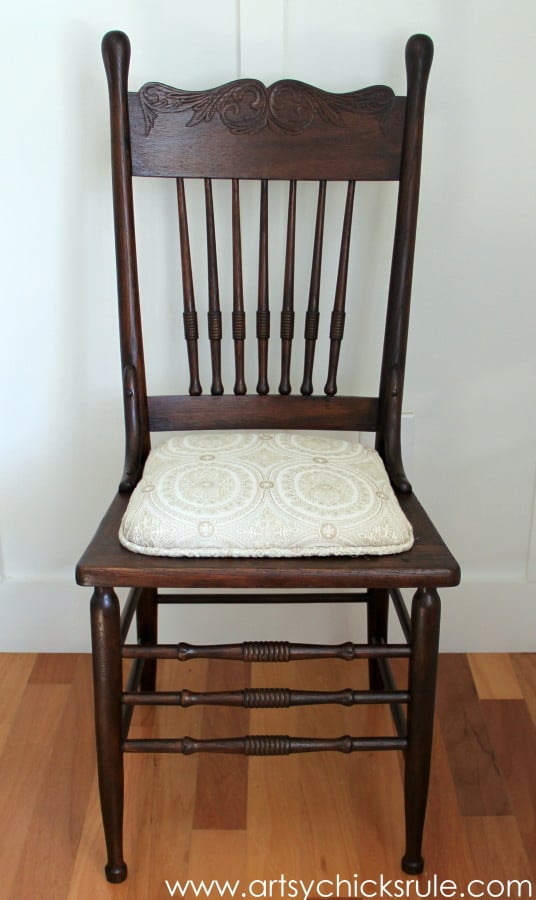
<point x="275" y="494"/>
<point x="428" y="563"/>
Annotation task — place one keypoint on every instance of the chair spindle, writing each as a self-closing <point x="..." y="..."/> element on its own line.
<point x="239" y="316"/>
<point x="263" y="310"/>
<point x="214" y="312"/>
<point x="338" y="313"/>
<point x="287" y="313"/>
<point x="313" y="316"/>
<point x="191" y="331"/>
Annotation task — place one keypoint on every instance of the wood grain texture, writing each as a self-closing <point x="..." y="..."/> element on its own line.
<point x="524" y="665"/>
<point x="15" y="670"/>
<point x="311" y="817"/>
<point x="494" y="676"/>
<point x="216" y="854"/>
<point x="497" y="838"/>
<point x="24" y="765"/>
<point x="276" y="849"/>
<point x="209" y="149"/>
<point x="54" y="668"/>
<point x="513" y="737"/>
<point x="221" y="796"/>
<point x="446" y="847"/>
<point x="65" y="798"/>
<point x="175" y="413"/>
<point x="479" y="784"/>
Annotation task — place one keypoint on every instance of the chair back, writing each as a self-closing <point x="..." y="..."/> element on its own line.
<point x="288" y="132"/>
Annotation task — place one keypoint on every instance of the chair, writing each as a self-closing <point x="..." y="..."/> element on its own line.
<point x="289" y="132"/>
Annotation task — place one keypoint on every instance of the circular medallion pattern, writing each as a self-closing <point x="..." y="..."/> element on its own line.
<point x="216" y="490"/>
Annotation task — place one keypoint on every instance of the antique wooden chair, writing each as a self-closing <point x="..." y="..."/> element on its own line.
<point x="288" y="132"/>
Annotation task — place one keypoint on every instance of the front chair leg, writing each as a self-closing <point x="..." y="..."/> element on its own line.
<point x="107" y="683"/>
<point x="377" y="621"/>
<point x="425" y="618"/>
<point x="147" y="625"/>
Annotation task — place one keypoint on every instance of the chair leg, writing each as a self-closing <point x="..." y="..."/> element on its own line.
<point x="425" y="618"/>
<point x="147" y="625"/>
<point x="377" y="620"/>
<point x="107" y="685"/>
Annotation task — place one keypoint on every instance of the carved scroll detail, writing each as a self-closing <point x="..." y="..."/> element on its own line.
<point x="247" y="106"/>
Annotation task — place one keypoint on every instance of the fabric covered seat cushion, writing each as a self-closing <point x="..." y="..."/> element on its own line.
<point x="245" y="493"/>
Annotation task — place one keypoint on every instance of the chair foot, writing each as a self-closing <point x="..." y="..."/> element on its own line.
<point x="116" y="874"/>
<point x="412" y="866"/>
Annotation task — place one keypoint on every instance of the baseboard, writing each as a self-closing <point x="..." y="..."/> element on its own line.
<point x="53" y="616"/>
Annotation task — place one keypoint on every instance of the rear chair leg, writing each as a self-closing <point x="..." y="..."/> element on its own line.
<point x="425" y="618"/>
<point x="147" y="625"/>
<point x="377" y="619"/>
<point x="107" y="685"/>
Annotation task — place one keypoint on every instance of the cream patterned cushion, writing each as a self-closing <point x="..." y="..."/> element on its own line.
<point x="244" y="493"/>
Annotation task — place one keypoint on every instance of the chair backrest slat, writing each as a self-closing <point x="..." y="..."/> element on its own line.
<point x="263" y="308"/>
<point x="287" y="313"/>
<point x="214" y="312"/>
<point x="338" y="313"/>
<point x="176" y="413"/>
<point x="191" y="330"/>
<point x="239" y="315"/>
<point x="312" y="315"/>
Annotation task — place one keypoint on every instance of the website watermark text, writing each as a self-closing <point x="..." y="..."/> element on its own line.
<point x="284" y="888"/>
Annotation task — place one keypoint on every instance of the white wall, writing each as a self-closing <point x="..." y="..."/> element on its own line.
<point x="472" y="355"/>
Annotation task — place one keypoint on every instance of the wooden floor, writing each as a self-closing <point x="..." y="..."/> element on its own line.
<point x="308" y="817"/>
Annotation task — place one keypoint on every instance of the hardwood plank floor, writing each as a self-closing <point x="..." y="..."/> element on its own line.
<point x="307" y="817"/>
<point x="479" y="785"/>
<point x="222" y="784"/>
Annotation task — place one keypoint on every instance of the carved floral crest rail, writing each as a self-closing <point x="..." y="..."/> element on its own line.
<point x="247" y="106"/>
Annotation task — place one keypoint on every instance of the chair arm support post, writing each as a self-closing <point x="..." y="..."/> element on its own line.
<point x="134" y="458"/>
<point x="392" y="449"/>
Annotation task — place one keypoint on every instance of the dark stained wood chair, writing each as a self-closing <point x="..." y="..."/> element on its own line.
<point x="289" y="132"/>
